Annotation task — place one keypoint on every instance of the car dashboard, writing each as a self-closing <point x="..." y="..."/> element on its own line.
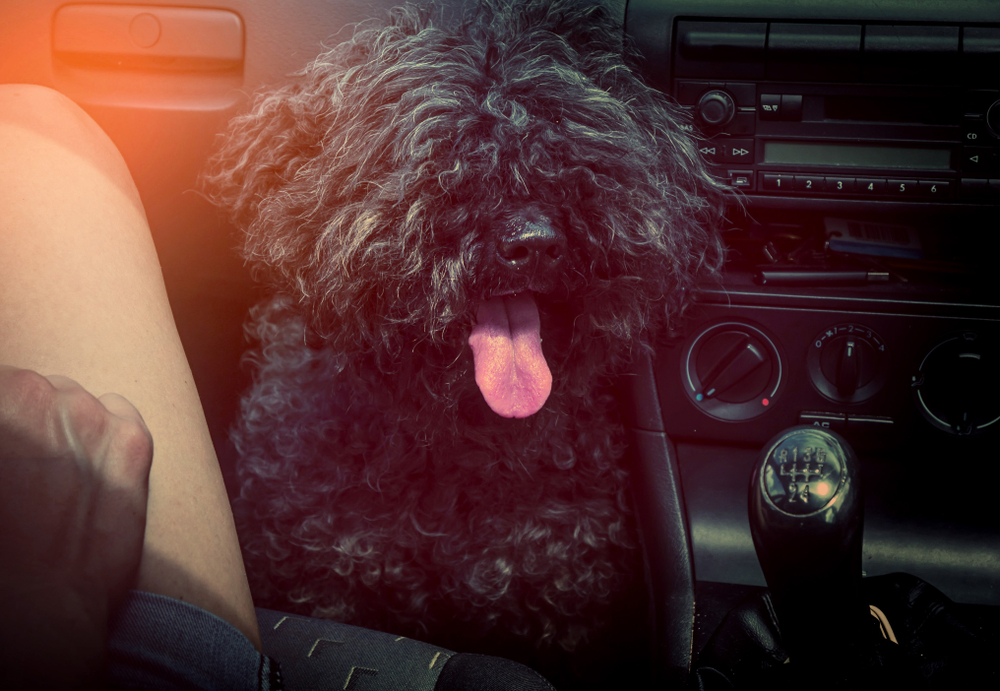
<point x="861" y="142"/>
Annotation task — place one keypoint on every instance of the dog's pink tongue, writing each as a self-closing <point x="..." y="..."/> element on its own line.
<point x="507" y="347"/>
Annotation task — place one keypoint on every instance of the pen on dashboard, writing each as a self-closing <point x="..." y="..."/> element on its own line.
<point x="819" y="277"/>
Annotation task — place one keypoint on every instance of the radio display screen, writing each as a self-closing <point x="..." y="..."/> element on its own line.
<point x="857" y="155"/>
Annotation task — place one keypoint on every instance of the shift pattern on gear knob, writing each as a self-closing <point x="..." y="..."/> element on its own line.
<point x="803" y="472"/>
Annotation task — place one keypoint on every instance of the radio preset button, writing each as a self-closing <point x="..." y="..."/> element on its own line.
<point x="870" y="186"/>
<point x="903" y="188"/>
<point x="737" y="151"/>
<point x="809" y="183"/>
<point x="939" y="189"/>
<point x="770" y="106"/>
<point x="777" y="182"/>
<point x="839" y="185"/>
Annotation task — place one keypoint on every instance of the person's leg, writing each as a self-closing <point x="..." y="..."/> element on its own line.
<point x="81" y="295"/>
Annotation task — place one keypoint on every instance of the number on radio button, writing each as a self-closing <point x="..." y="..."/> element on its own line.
<point x="935" y="188"/>
<point x="840" y="185"/>
<point x="772" y="182"/>
<point x="903" y="188"/>
<point x="809" y="183"/>
<point x="870" y="186"/>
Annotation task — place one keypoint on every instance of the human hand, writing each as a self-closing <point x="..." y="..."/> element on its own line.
<point x="73" y="482"/>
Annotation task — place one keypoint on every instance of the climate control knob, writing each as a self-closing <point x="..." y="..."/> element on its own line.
<point x="848" y="363"/>
<point x="957" y="382"/>
<point x="732" y="371"/>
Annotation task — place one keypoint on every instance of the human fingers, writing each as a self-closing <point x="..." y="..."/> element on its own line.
<point x="134" y="442"/>
<point x="109" y="438"/>
<point x="27" y="426"/>
<point x="114" y="403"/>
<point x="82" y="451"/>
<point x="117" y="404"/>
<point x="108" y="430"/>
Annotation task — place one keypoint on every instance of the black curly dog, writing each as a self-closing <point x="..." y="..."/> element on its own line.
<point x="469" y="232"/>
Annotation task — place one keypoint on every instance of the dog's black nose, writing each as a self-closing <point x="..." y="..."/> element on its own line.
<point x="533" y="246"/>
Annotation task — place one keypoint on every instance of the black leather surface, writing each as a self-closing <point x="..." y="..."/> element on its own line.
<point x="938" y="647"/>
<point x="746" y="645"/>
<point x="663" y="527"/>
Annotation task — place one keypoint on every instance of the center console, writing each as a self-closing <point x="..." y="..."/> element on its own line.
<point x="908" y="374"/>
<point x="862" y="142"/>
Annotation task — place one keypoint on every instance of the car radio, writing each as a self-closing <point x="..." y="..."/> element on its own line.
<point x="811" y="120"/>
<point x="829" y="110"/>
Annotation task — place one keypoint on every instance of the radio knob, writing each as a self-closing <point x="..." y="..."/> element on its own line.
<point x="993" y="118"/>
<point x="716" y="108"/>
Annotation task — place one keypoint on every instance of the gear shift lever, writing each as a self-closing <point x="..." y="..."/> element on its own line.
<point x="806" y="518"/>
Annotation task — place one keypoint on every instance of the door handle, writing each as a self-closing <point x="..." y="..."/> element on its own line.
<point x="149" y="37"/>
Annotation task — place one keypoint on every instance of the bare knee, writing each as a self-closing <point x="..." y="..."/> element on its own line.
<point x="33" y="96"/>
<point x="44" y="110"/>
<point x="41" y="111"/>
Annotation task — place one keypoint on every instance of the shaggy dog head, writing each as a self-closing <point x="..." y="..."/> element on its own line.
<point x="508" y="189"/>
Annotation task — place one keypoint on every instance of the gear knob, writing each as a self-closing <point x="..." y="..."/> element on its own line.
<point x="806" y="518"/>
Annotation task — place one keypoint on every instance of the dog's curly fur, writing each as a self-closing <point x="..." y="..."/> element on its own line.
<point x="376" y="486"/>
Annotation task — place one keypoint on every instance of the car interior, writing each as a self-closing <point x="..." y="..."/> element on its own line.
<point x="862" y="144"/>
